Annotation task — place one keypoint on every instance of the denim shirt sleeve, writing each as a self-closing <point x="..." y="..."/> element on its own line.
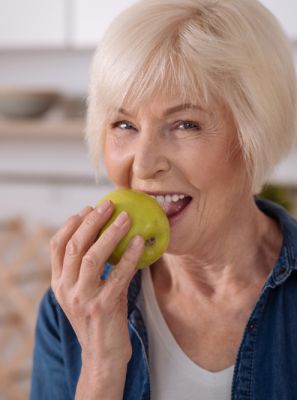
<point x="48" y="375"/>
<point x="57" y="352"/>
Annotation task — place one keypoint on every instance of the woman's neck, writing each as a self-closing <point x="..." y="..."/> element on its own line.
<point x="238" y="256"/>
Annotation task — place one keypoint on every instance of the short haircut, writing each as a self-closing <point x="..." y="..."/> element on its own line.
<point x="204" y="50"/>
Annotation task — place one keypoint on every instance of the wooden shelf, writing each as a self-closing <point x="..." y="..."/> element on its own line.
<point x="44" y="128"/>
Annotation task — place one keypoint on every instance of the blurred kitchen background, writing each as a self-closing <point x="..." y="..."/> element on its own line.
<point x="45" y="176"/>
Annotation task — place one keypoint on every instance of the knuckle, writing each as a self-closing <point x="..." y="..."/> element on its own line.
<point x="92" y="219"/>
<point x="89" y="261"/>
<point x="73" y="247"/>
<point x="73" y="218"/>
<point x="71" y="222"/>
<point x="112" y="235"/>
<point x="94" y="308"/>
<point x="129" y="257"/>
<point x="86" y="309"/>
<point x="70" y="302"/>
<point x="117" y="278"/>
<point x="107" y="237"/>
<point x="75" y="302"/>
<point x="54" y="242"/>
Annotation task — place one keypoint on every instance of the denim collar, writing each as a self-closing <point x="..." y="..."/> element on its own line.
<point x="287" y="261"/>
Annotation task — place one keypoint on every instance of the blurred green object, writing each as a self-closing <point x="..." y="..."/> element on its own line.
<point x="278" y="194"/>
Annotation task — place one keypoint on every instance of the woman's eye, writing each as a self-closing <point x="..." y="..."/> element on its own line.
<point x="188" y="125"/>
<point x="122" y="125"/>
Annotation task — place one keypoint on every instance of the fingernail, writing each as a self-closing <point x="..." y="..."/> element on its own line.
<point x="121" y="219"/>
<point x="136" y="242"/>
<point x="84" y="210"/>
<point x="103" y="207"/>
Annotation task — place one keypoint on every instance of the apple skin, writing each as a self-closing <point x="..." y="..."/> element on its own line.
<point x="148" y="220"/>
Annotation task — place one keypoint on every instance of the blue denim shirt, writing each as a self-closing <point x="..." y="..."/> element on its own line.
<point x="266" y="364"/>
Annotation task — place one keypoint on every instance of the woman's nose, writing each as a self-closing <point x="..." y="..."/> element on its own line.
<point x="151" y="158"/>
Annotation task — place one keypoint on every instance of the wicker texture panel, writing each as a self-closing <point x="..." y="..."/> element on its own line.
<point x="24" y="277"/>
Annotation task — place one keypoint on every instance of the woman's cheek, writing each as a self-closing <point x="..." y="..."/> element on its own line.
<point x="117" y="163"/>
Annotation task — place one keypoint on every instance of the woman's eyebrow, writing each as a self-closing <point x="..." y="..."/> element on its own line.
<point x="181" y="107"/>
<point x="123" y="111"/>
<point x="171" y="110"/>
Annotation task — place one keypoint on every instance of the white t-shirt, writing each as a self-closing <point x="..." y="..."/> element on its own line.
<point x="173" y="375"/>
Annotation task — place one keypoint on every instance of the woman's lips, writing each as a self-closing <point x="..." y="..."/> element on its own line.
<point x="175" y="215"/>
<point x="173" y="208"/>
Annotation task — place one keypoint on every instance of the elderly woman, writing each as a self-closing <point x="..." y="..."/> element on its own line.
<point x="194" y="98"/>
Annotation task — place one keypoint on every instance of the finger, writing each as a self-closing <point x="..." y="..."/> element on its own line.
<point x="60" y="239"/>
<point x="121" y="276"/>
<point x="82" y="240"/>
<point x="94" y="260"/>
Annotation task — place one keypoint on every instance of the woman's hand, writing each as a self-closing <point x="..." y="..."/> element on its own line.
<point x="96" y="309"/>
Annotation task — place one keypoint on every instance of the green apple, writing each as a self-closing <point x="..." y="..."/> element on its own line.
<point x="147" y="219"/>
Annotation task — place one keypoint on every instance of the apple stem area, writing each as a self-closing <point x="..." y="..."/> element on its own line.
<point x="150" y="242"/>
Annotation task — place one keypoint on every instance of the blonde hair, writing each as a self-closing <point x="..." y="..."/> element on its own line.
<point x="204" y="50"/>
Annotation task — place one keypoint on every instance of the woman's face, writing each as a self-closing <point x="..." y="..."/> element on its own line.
<point x="172" y="148"/>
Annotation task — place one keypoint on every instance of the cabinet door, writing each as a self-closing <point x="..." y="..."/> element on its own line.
<point x="286" y="12"/>
<point x="32" y="23"/>
<point x="92" y="17"/>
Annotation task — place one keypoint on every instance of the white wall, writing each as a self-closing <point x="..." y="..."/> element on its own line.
<point x="66" y="70"/>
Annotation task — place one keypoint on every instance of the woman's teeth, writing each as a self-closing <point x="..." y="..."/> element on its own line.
<point x="169" y="198"/>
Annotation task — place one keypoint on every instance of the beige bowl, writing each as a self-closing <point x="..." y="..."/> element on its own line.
<point x="26" y="103"/>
